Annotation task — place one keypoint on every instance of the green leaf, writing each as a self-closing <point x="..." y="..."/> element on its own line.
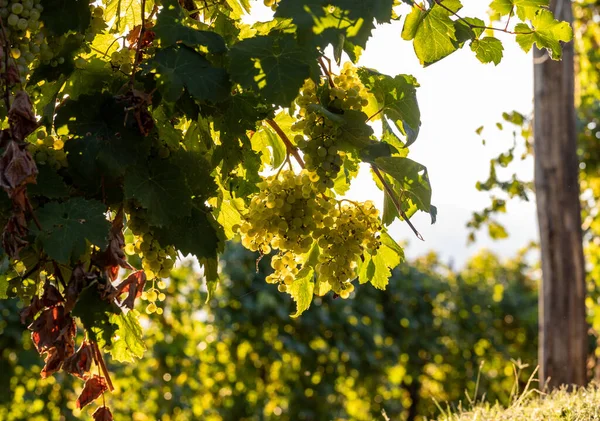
<point x="432" y="31"/>
<point x="488" y="50"/>
<point x="96" y="315"/>
<point x="53" y="16"/>
<point x="274" y="65"/>
<point x="525" y="9"/>
<point x="48" y="73"/>
<point x="171" y="30"/>
<point x="497" y="231"/>
<point x="127" y="343"/>
<point x="412" y="178"/>
<point x="66" y="227"/>
<point x="197" y="234"/>
<point x="179" y="67"/>
<point x="356" y="133"/>
<point x="547" y="33"/>
<point x="159" y="187"/>
<point x="397" y="98"/>
<point x="387" y="258"/>
<point x="266" y="142"/>
<point x="211" y="274"/>
<point x="102" y="145"/>
<point x="94" y="77"/>
<point x="302" y="290"/>
<point x="49" y="184"/>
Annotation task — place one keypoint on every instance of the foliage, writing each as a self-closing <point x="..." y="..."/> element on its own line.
<point x="242" y="357"/>
<point x="137" y="118"/>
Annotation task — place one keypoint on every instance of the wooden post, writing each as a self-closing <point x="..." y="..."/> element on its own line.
<point x="563" y="328"/>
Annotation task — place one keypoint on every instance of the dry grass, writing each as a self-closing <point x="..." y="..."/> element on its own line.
<point x="531" y="404"/>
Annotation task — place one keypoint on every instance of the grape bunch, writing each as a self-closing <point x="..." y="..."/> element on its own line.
<point x="48" y="150"/>
<point x="123" y="60"/>
<point x="290" y="215"/>
<point x="318" y="137"/>
<point x="271" y="3"/>
<point x="157" y="261"/>
<point x="23" y="28"/>
<point x="353" y="232"/>
<point x="154" y="295"/>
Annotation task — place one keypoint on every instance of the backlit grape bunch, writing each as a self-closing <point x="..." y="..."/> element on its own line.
<point x="48" y="150"/>
<point x="157" y="261"/>
<point x="284" y="214"/>
<point x="353" y="232"/>
<point x="22" y="26"/>
<point x="290" y="215"/>
<point x="319" y="134"/>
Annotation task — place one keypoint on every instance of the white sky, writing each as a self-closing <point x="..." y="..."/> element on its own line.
<point x="457" y="95"/>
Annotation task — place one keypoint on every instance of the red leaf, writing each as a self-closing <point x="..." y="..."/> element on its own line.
<point x="79" y="280"/>
<point x="32" y="309"/>
<point x="93" y="388"/>
<point x="17" y="167"/>
<point x="51" y="325"/>
<point x="113" y="258"/>
<point x="133" y="286"/>
<point x="21" y="117"/>
<point x="51" y="295"/>
<point x="57" y="356"/>
<point x="79" y="364"/>
<point x="102" y="414"/>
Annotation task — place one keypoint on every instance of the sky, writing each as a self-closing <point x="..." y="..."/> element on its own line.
<point x="457" y="95"/>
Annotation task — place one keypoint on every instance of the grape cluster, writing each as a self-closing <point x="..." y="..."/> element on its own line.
<point x="318" y="137"/>
<point x="123" y="60"/>
<point x="352" y="232"/>
<point x="157" y="261"/>
<point x="290" y="215"/>
<point x="22" y="24"/>
<point x="153" y="295"/>
<point x="48" y="150"/>
<point x="271" y="3"/>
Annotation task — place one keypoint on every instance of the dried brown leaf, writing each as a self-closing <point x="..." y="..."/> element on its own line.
<point x="113" y="258"/>
<point x="133" y="286"/>
<point x="79" y="363"/>
<point x="94" y="387"/>
<point x="32" y="309"/>
<point x="17" y="168"/>
<point x="79" y="280"/>
<point x="21" y="117"/>
<point x="102" y="414"/>
<point x="51" y="295"/>
<point x="52" y="325"/>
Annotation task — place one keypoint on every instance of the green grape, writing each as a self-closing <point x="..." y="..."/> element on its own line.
<point x="13" y="20"/>
<point x="16" y="8"/>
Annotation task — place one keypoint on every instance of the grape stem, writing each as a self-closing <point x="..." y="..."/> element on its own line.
<point x="291" y="149"/>
<point x="102" y="365"/>
<point x="390" y="192"/>
<point x="327" y="71"/>
<point x="138" y="48"/>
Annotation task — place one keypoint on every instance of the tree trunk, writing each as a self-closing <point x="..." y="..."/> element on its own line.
<point x="563" y="329"/>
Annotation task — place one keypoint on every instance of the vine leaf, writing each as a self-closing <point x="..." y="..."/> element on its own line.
<point x="80" y="363"/>
<point x="55" y="20"/>
<point x="274" y="65"/>
<point x="211" y="274"/>
<point x="181" y="67"/>
<point x="397" y="98"/>
<point x="433" y="31"/>
<point x="525" y="8"/>
<point x="159" y="187"/>
<point x="103" y="145"/>
<point x="377" y="269"/>
<point x="171" y="31"/>
<point x="197" y="234"/>
<point x="49" y="184"/>
<point x="102" y="414"/>
<point x="127" y="345"/>
<point x="133" y="286"/>
<point x="547" y="33"/>
<point x="95" y="315"/>
<point x="93" y="388"/>
<point x="302" y="289"/>
<point x="266" y="142"/>
<point x="488" y="50"/>
<point x="67" y="226"/>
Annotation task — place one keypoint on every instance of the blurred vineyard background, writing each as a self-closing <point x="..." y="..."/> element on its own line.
<point x="243" y="358"/>
<point x="423" y="342"/>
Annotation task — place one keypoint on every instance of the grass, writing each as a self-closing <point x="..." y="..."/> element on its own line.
<point x="582" y="404"/>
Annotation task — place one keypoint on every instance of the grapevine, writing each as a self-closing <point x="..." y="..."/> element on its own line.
<point x="137" y="132"/>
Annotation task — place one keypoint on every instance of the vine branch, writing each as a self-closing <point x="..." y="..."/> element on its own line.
<point x="397" y="205"/>
<point x="138" y="47"/>
<point x="291" y="149"/>
<point x="100" y="361"/>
